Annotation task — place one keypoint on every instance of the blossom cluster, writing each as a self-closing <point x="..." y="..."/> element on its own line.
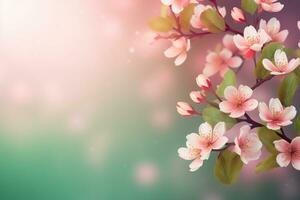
<point x="227" y="104"/>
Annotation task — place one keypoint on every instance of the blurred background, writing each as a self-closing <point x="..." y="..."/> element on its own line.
<point x="88" y="106"/>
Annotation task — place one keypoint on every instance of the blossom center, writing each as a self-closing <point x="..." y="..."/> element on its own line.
<point x="253" y="39"/>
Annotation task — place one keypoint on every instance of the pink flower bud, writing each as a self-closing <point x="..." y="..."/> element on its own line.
<point x="197" y="96"/>
<point x="185" y="109"/>
<point x="203" y="82"/>
<point x="238" y="15"/>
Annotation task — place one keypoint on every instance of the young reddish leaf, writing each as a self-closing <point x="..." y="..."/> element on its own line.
<point x="228" y="167"/>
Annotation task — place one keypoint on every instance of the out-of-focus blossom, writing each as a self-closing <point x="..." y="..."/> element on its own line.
<point x="176" y="5"/>
<point x="196" y="21"/>
<point x="247" y="145"/>
<point x="179" y="49"/>
<point x="185" y="109"/>
<point x="146" y="173"/>
<point x="220" y="62"/>
<point x="192" y="152"/>
<point x="203" y="82"/>
<point x="197" y="96"/>
<point x="288" y="153"/>
<point x="269" y="5"/>
<point x="276" y="115"/>
<point x="210" y="138"/>
<point x="229" y="44"/>
<point x="238" y="101"/>
<point x="272" y="28"/>
<point x="238" y="15"/>
<point x="281" y="64"/>
<point x="251" y="42"/>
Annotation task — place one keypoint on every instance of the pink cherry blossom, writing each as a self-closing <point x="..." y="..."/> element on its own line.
<point x="281" y="64"/>
<point x="220" y="62"/>
<point x="238" y="15"/>
<point x="238" y="101"/>
<point x="203" y="82"/>
<point x="276" y="115"/>
<point x="192" y="152"/>
<point x="176" y="5"/>
<point x="272" y="28"/>
<point x="185" y="109"/>
<point x="210" y="138"/>
<point x="179" y="49"/>
<point x="197" y="96"/>
<point x="251" y="42"/>
<point x="288" y="153"/>
<point x="229" y="44"/>
<point x="196" y="21"/>
<point x="270" y="5"/>
<point x="247" y="145"/>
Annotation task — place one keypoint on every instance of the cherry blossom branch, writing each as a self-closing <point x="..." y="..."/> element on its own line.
<point x="259" y="82"/>
<point x="192" y="33"/>
<point x="228" y="28"/>
<point x="255" y="124"/>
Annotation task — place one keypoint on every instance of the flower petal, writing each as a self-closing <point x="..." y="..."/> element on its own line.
<point x="180" y="59"/>
<point x="245" y="91"/>
<point x="235" y="62"/>
<point x="185" y="154"/>
<point x="282" y="145"/>
<point x="172" y="52"/>
<point x="196" y="164"/>
<point x="230" y="93"/>
<point x="283" y="159"/>
<point x="275" y="105"/>
<point x="264" y="112"/>
<point x="219" y="129"/>
<point x="205" y="129"/>
<point x="268" y="65"/>
<point x="250" y="105"/>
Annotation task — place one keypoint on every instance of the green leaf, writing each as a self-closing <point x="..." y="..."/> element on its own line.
<point x="229" y="79"/>
<point x="297" y="125"/>
<point x="267" y="164"/>
<point x="213" y="20"/>
<point x="267" y="52"/>
<point x="288" y="88"/>
<point x="213" y="115"/>
<point x="249" y="6"/>
<point x="267" y="137"/>
<point x="228" y="167"/>
<point x="185" y="16"/>
<point x="161" y="24"/>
